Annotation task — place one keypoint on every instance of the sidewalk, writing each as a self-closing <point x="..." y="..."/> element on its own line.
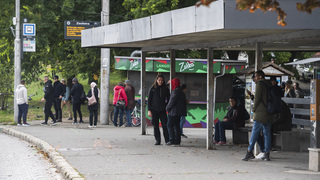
<point x="107" y="152"/>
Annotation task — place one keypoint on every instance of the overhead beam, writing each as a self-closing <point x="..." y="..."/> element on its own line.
<point x="238" y="42"/>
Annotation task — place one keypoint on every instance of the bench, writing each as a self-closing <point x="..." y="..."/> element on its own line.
<point x="241" y="135"/>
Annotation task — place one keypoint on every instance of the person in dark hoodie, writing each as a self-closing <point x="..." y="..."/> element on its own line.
<point x="58" y="92"/>
<point x="176" y="108"/>
<point x="234" y="118"/>
<point x="48" y="97"/>
<point x="76" y="92"/>
<point x="158" y="98"/>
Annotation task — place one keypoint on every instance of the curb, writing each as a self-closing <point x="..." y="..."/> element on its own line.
<point x="64" y="167"/>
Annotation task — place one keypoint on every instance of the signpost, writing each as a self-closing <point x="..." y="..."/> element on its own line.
<point x="29" y="37"/>
<point x="72" y="29"/>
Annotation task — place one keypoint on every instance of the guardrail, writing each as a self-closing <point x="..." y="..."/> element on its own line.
<point x="301" y="116"/>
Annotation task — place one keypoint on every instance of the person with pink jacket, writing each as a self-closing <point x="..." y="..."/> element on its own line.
<point x="119" y="94"/>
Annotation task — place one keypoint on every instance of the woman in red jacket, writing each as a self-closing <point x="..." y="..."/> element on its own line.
<point x="119" y="94"/>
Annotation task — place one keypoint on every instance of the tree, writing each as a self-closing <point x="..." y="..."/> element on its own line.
<point x="268" y="5"/>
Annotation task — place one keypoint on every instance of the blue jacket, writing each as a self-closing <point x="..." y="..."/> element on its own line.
<point x="66" y="94"/>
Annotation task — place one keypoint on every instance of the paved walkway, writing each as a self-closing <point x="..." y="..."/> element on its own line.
<point x="107" y="152"/>
<point x="18" y="160"/>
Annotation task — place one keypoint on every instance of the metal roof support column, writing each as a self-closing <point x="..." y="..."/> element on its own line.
<point x="210" y="102"/>
<point x="258" y="59"/>
<point x="143" y="92"/>
<point x="172" y="65"/>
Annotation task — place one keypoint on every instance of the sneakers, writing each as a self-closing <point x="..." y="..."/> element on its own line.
<point x="19" y="124"/>
<point x="81" y="122"/>
<point x="59" y="120"/>
<point x="182" y="135"/>
<point x="169" y="144"/>
<point x="44" y="124"/>
<point x="25" y="124"/>
<point x="248" y="156"/>
<point x="75" y="122"/>
<point x="222" y="143"/>
<point x="53" y="124"/>
<point x="260" y="155"/>
<point x="95" y="126"/>
<point x="90" y="126"/>
<point x="266" y="156"/>
<point x="69" y="118"/>
<point x="157" y="143"/>
<point x="215" y="142"/>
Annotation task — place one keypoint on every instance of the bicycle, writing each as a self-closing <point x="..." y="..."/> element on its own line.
<point x="135" y="115"/>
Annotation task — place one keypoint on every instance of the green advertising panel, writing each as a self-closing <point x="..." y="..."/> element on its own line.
<point x="132" y="64"/>
<point x="161" y="65"/>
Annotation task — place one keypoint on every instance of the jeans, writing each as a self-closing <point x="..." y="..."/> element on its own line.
<point x="95" y="114"/>
<point x="128" y="116"/>
<point x="23" y="111"/>
<point x="257" y="126"/>
<point x="174" y="129"/>
<point x="77" y="107"/>
<point x="118" y="111"/>
<point x="57" y="107"/>
<point x="182" y="121"/>
<point x="220" y="130"/>
<point x="162" y="115"/>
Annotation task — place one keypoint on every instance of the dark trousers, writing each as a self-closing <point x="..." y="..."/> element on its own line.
<point x="57" y="107"/>
<point x="118" y="111"/>
<point x="77" y="107"/>
<point x="95" y="114"/>
<point x="23" y="111"/>
<point x="174" y="129"/>
<point x="162" y="115"/>
<point x="47" y="110"/>
<point x="220" y="130"/>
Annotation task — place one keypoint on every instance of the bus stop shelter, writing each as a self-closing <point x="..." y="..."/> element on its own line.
<point x="218" y="27"/>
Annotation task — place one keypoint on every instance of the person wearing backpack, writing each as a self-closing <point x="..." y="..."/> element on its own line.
<point x="76" y="92"/>
<point x="262" y="118"/>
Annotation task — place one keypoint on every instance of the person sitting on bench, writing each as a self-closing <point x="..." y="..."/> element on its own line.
<point x="234" y="119"/>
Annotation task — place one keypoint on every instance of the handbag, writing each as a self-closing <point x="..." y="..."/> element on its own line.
<point x="92" y="100"/>
<point x="120" y="103"/>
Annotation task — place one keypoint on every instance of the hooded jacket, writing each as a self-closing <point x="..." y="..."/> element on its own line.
<point x="236" y="115"/>
<point x="260" y="112"/>
<point x="122" y="95"/>
<point x="48" y="90"/>
<point x="158" y="98"/>
<point x="22" y="94"/>
<point x="177" y="103"/>
<point x="58" y="89"/>
<point x="76" y="92"/>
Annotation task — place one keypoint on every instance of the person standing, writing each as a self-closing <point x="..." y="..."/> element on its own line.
<point x="158" y="98"/>
<point x="48" y="97"/>
<point x="262" y="119"/>
<point x="22" y="101"/>
<point x="119" y="94"/>
<point x="58" y="92"/>
<point x="65" y="98"/>
<point x="176" y="108"/>
<point x="183" y="118"/>
<point x="76" y="92"/>
<point x="93" y="109"/>
<point x="130" y="92"/>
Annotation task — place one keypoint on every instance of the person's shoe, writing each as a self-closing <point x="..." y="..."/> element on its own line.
<point x="128" y="125"/>
<point x="25" y="124"/>
<point x="44" y="124"/>
<point x="260" y="155"/>
<point x="69" y="118"/>
<point x="266" y="156"/>
<point x="59" y="120"/>
<point x="95" y="126"/>
<point x="169" y="144"/>
<point x="90" y="126"/>
<point x="81" y="122"/>
<point x="75" y="122"/>
<point x="248" y="156"/>
<point x="221" y="143"/>
<point x="215" y="142"/>
<point x="182" y="135"/>
<point x="19" y="124"/>
<point x="53" y="124"/>
<point x="157" y="143"/>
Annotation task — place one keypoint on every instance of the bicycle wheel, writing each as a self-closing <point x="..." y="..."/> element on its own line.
<point x="136" y="121"/>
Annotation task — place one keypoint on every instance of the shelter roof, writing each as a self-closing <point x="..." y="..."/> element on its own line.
<point x="313" y="59"/>
<point x="270" y="69"/>
<point x="220" y="26"/>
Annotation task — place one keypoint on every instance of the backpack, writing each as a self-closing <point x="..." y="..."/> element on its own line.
<point x="83" y="97"/>
<point x="274" y="99"/>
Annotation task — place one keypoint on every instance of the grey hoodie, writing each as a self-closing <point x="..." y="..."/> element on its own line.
<point x="22" y="95"/>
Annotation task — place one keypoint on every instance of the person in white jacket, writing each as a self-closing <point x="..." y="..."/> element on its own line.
<point x="22" y="101"/>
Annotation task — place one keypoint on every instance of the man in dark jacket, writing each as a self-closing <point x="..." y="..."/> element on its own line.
<point x="48" y="97"/>
<point x="176" y="108"/>
<point x="76" y="92"/>
<point x="58" y="92"/>
<point x="130" y="92"/>
<point x="234" y="118"/>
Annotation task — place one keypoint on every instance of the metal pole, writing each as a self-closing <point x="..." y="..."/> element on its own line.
<point x="210" y="102"/>
<point x="172" y="65"/>
<point x="143" y="92"/>
<point x="105" y="69"/>
<point x="258" y="58"/>
<point x="17" y="58"/>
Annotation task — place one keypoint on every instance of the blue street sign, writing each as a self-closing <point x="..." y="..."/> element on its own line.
<point x="29" y="29"/>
